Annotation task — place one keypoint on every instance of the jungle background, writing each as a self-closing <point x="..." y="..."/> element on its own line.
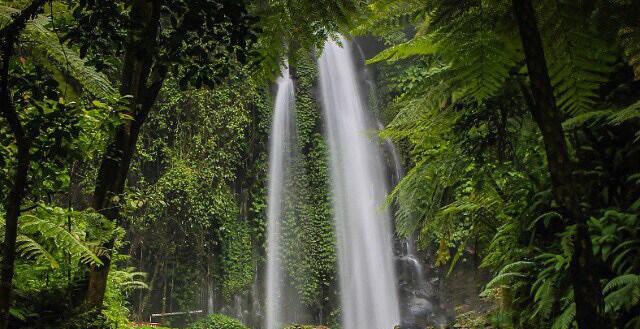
<point x="134" y="157"/>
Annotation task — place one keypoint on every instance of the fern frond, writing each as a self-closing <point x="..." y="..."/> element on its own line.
<point x="57" y="234"/>
<point x="544" y="299"/>
<point x="384" y="15"/>
<point x="579" y="60"/>
<point x="629" y="37"/>
<point x="622" y="281"/>
<point x="64" y="63"/>
<point x="480" y="53"/>
<point x="621" y="261"/>
<point x="622" y="292"/>
<point x="629" y="113"/>
<point x="587" y="119"/>
<point x="420" y="45"/>
<point x="30" y="249"/>
<point x="477" y="55"/>
<point x="517" y="265"/>
<point x="127" y="279"/>
<point x="503" y="277"/>
<point x="565" y="319"/>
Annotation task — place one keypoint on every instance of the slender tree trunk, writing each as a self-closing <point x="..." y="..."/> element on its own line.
<point x="12" y="207"/>
<point x="586" y="286"/>
<point x="142" y="78"/>
<point x="8" y="37"/>
<point x="14" y="200"/>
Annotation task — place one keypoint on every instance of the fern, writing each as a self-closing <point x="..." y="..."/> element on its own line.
<point x="629" y="37"/>
<point x="42" y="238"/>
<point x="622" y="251"/>
<point x="65" y="64"/>
<point x="632" y="112"/>
<point x="579" y="59"/>
<point x="565" y="319"/>
<point x="609" y="117"/>
<point x="544" y="298"/>
<point x="501" y="278"/>
<point x="128" y="279"/>
<point x="517" y="265"/>
<point x="622" y="292"/>
<point x="383" y="16"/>
<point x="58" y="235"/>
<point x="420" y="45"/>
<point x="587" y="119"/>
<point x="30" y="249"/>
<point x="623" y="281"/>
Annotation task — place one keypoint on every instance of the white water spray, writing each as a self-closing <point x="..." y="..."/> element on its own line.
<point x="365" y="253"/>
<point x="282" y="144"/>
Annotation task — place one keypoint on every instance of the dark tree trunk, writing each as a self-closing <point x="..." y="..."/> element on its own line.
<point x="12" y="205"/>
<point x="586" y="286"/>
<point x="142" y="78"/>
<point x="8" y="37"/>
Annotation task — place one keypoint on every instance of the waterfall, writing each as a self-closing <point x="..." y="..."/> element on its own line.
<point x="280" y="157"/>
<point x="368" y="289"/>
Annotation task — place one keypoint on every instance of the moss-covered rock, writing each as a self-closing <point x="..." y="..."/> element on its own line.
<point x="218" y="321"/>
<point x="472" y="320"/>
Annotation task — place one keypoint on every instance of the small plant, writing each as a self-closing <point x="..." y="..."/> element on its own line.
<point x="218" y="321"/>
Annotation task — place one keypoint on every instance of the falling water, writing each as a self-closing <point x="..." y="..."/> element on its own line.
<point x="409" y="253"/>
<point x="365" y="256"/>
<point x="280" y="155"/>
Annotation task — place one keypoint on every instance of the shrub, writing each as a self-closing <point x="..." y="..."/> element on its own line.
<point x="218" y="321"/>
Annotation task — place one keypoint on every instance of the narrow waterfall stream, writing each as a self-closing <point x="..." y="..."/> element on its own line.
<point x="368" y="289"/>
<point x="282" y="141"/>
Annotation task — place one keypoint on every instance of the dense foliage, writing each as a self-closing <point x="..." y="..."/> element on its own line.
<point x="218" y="321"/>
<point x="459" y="97"/>
<point x="309" y="242"/>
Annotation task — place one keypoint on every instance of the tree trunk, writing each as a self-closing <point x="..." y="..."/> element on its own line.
<point x="586" y="286"/>
<point x="142" y="80"/>
<point x="12" y="206"/>
<point x="8" y="36"/>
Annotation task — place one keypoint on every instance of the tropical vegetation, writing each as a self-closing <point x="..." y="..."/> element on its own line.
<point x="134" y="152"/>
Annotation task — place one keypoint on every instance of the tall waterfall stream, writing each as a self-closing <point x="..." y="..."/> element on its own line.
<point x="281" y="148"/>
<point x="368" y="289"/>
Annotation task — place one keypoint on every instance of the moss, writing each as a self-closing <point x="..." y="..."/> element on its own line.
<point x="472" y="320"/>
<point x="309" y="242"/>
